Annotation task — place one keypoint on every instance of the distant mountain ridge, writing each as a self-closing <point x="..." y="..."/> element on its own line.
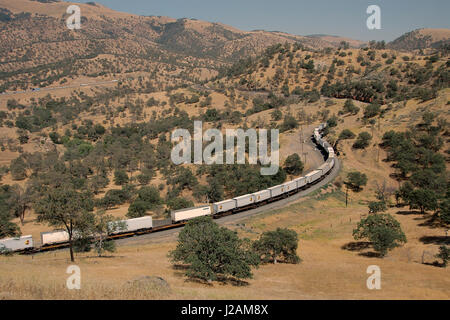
<point x="185" y="36"/>
<point x="37" y="48"/>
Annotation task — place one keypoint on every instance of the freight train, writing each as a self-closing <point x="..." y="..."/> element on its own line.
<point x="143" y="225"/>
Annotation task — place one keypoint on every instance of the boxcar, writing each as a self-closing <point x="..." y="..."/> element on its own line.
<point x="290" y="186"/>
<point x="135" y="224"/>
<point x="277" y="190"/>
<point x="17" y="244"/>
<point x="324" y="167"/>
<point x="224" y="206"/>
<point x="187" y="214"/>
<point x="262" y="195"/>
<point x="313" y="176"/>
<point x="54" y="237"/>
<point x="244" y="200"/>
<point x="301" y="182"/>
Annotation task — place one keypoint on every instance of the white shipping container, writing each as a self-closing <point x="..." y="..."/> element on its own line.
<point x="313" y="176"/>
<point x="277" y="190"/>
<point x="138" y="224"/>
<point x="316" y="136"/>
<point x="331" y="162"/>
<point x="223" y="206"/>
<point x="323" y="168"/>
<point x="301" y="182"/>
<point x="290" y="186"/>
<point x="186" y="214"/>
<point x="54" y="237"/>
<point x="244" y="200"/>
<point x="262" y="195"/>
<point x="16" y="244"/>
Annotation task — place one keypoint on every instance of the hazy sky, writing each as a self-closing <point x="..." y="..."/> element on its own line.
<point x="334" y="17"/>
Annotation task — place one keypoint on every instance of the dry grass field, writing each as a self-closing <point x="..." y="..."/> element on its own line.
<point x="327" y="271"/>
<point x="324" y="225"/>
<point x="164" y="67"/>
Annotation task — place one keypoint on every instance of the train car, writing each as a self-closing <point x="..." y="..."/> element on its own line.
<point x="325" y="168"/>
<point x="326" y="145"/>
<point x="245" y="200"/>
<point x="316" y="133"/>
<point x="277" y="190"/>
<point x="313" y="176"/>
<point x="330" y="151"/>
<point x="188" y="214"/>
<point x="332" y="161"/>
<point x="54" y="237"/>
<point x="135" y="224"/>
<point x="17" y="244"/>
<point x="224" y="206"/>
<point x="291" y="186"/>
<point x="262" y="195"/>
<point x="322" y="168"/>
<point x="161" y="223"/>
<point x="301" y="182"/>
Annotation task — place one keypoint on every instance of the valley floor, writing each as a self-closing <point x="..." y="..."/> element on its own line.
<point x="327" y="271"/>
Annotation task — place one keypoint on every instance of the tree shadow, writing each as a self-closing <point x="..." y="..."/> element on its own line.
<point x="356" y="246"/>
<point x="397" y="176"/>
<point x="432" y="222"/>
<point x="359" y="246"/>
<point x="434" y="264"/>
<point x="182" y="267"/>
<point x="180" y="270"/>
<point x="371" y="254"/>
<point x="408" y="212"/>
<point x="233" y="281"/>
<point x="435" y="240"/>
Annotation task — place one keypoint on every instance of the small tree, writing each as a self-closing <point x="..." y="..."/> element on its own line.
<point x="211" y="252"/>
<point x="382" y="230"/>
<point x="20" y="201"/>
<point x="377" y="206"/>
<point x="444" y="211"/>
<point x="67" y="208"/>
<point x="362" y="141"/>
<point x="293" y="164"/>
<point x="103" y="226"/>
<point x="8" y="228"/>
<point x="276" y="115"/>
<point x="18" y="169"/>
<point x="444" y="254"/>
<point x="280" y="244"/>
<point x="423" y="199"/>
<point x="356" y="180"/>
<point x="137" y="209"/>
<point x="346" y="134"/>
<point x="179" y="203"/>
<point x="120" y="177"/>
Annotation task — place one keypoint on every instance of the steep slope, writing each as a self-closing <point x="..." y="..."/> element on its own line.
<point x="422" y="39"/>
<point x="36" y="44"/>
